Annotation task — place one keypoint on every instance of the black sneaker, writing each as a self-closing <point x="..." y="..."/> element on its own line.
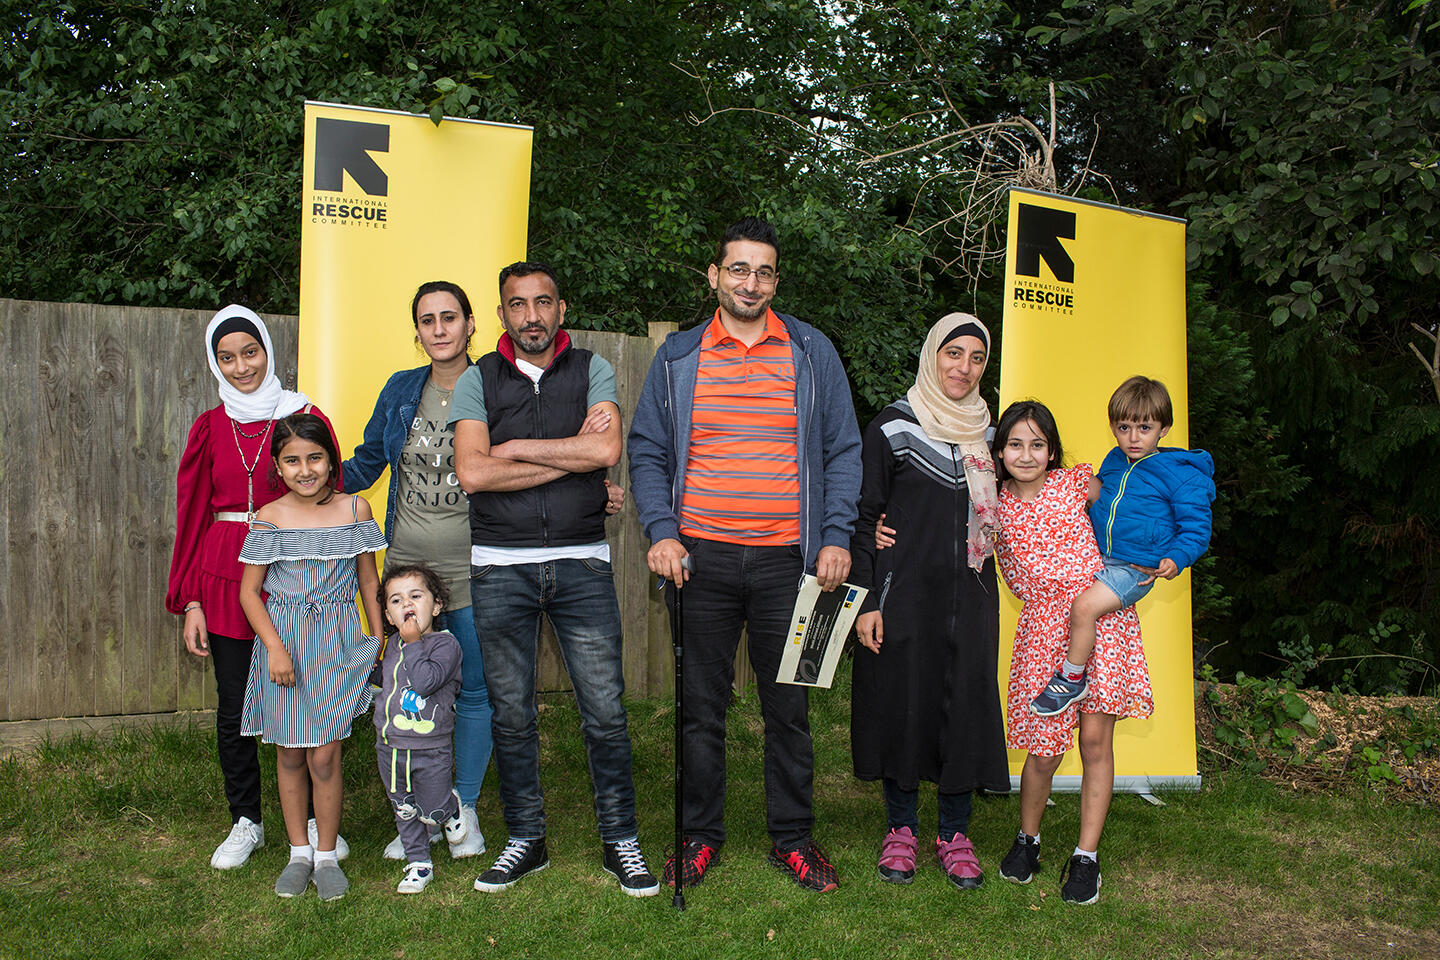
<point x="1083" y="884"/>
<point x="1023" y="861"/>
<point x="517" y="859"/>
<point x="695" y="858"/>
<point x="626" y="863"/>
<point x="807" y="866"/>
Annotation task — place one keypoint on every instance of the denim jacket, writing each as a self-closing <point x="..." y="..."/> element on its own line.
<point x="828" y="440"/>
<point x="385" y="436"/>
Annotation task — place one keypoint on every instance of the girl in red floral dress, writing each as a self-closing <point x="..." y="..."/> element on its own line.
<point x="1047" y="553"/>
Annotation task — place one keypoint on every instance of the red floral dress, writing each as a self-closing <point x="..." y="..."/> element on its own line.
<point x="1048" y="556"/>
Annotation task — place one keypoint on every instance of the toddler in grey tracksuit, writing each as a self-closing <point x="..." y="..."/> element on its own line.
<point x="415" y="718"/>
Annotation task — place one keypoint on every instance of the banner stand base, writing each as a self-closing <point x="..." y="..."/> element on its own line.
<point x="1145" y="786"/>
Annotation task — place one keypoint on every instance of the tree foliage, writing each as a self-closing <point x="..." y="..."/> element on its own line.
<point x="1305" y="134"/>
<point x="152" y="157"/>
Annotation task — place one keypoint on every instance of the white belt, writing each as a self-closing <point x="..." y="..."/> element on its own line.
<point x="234" y="516"/>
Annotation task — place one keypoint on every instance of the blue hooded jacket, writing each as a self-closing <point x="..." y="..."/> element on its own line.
<point x="1156" y="507"/>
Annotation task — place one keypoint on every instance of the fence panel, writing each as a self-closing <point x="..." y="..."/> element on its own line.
<point x="94" y="413"/>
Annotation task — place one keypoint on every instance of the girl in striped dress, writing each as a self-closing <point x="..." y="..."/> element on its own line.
<point x="309" y="551"/>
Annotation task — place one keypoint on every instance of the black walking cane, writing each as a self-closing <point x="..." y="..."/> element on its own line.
<point x="677" y="640"/>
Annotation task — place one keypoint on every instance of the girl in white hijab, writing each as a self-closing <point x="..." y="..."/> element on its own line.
<point x="224" y="477"/>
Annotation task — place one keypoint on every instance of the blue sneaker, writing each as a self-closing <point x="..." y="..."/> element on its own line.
<point x="1058" y="695"/>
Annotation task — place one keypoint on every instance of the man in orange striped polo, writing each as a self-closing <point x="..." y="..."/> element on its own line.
<point x="745" y="454"/>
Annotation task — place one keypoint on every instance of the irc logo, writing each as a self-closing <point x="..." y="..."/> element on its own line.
<point x="342" y="146"/>
<point x="1040" y="231"/>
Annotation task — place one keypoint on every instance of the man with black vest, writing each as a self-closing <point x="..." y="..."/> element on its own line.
<point x="537" y="423"/>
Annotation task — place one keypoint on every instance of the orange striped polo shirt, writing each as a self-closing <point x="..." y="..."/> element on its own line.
<point x="742" y="482"/>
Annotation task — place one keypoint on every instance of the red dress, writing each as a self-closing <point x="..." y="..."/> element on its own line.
<point x="1048" y="556"/>
<point x="205" y="565"/>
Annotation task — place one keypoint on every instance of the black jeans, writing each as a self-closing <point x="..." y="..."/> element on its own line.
<point x="239" y="757"/>
<point x="902" y="809"/>
<point x="752" y="588"/>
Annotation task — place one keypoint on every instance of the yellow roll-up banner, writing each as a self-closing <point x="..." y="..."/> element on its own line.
<point x="390" y="200"/>
<point x="1095" y="294"/>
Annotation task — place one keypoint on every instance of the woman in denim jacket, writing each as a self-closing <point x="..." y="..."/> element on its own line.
<point x="427" y="514"/>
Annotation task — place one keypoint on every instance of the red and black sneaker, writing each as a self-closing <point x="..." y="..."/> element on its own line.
<point x="808" y="866"/>
<point x="697" y="860"/>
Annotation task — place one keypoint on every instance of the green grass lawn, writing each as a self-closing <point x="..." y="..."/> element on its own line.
<point x="105" y="845"/>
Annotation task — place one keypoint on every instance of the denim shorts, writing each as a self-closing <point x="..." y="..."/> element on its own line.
<point x="1124" y="581"/>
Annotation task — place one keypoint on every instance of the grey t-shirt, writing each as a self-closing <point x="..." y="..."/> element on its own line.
<point x="432" y="514"/>
<point x="470" y="390"/>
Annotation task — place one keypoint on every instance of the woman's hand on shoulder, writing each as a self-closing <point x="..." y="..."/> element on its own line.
<point x="870" y="630"/>
<point x="884" y="536"/>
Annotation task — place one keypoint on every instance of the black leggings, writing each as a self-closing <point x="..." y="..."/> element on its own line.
<point x="239" y="756"/>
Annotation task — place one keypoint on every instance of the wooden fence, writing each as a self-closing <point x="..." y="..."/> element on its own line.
<point x="94" y="410"/>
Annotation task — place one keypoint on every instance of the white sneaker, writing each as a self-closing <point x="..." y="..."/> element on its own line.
<point x="472" y="844"/>
<point x="342" y="849"/>
<point x="245" y="838"/>
<point x="417" y="878"/>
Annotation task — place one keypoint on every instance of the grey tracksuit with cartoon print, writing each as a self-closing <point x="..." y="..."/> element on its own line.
<point x="414" y="721"/>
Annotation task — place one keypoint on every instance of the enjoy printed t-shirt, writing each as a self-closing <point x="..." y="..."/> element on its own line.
<point x="432" y="514"/>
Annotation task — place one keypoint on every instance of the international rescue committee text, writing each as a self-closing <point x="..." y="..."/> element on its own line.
<point x="362" y="212"/>
<point x="1044" y="297"/>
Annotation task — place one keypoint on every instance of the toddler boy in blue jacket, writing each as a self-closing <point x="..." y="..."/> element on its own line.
<point x="1151" y="511"/>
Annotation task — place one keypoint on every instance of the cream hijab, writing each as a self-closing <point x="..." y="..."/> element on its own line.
<point x="270" y="401"/>
<point x="964" y="423"/>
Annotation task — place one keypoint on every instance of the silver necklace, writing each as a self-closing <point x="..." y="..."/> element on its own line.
<point x="250" y="467"/>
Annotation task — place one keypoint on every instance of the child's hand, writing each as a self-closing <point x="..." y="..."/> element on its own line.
<point x="1166" y="569"/>
<point x="884" y="536"/>
<point x="282" y="668"/>
<point x="409" y="629"/>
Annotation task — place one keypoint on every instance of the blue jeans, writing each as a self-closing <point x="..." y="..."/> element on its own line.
<point x="1124" y="581"/>
<point x="472" y="707"/>
<point x="579" y="598"/>
<point x="902" y="809"/>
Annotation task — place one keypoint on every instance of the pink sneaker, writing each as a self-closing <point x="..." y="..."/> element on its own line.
<point x="897" y="856"/>
<point x="957" y="859"/>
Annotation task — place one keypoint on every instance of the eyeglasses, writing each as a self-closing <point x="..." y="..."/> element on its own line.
<point x="741" y="271"/>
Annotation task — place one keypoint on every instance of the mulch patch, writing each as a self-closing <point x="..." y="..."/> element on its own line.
<point x="1333" y="757"/>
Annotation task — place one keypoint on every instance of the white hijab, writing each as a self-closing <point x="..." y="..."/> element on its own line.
<point x="269" y="401"/>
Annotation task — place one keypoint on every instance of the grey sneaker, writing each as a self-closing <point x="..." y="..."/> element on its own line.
<point x="1058" y="695"/>
<point x="294" y="878"/>
<point x="330" y="881"/>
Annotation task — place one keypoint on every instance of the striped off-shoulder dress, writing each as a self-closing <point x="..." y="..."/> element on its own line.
<point x="311" y="585"/>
